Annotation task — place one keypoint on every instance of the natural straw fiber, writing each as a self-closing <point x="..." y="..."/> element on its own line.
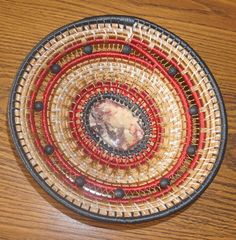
<point x="165" y="154"/>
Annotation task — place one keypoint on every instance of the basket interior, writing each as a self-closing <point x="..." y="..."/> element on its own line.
<point x="119" y="118"/>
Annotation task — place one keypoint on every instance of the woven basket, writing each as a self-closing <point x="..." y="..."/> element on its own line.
<point x="118" y="119"/>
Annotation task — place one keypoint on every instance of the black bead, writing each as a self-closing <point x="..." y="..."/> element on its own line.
<point x="191" y="150"/>
<point x="193" y="110"/>
<point x="88" y="49"/>
<point x="55" y="68"/>
<point x="164" y="183"/>
<point x="48" y="149"/>
<point x="80" y="181"/>
<point x="172" y="71"/>
<point x="38" y="106"/>
<point x="126" y="49"/>
<point x="119" y="193"/>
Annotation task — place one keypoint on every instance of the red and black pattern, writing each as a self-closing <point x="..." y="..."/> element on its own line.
<point x="84" y="140"/>
<point x="80" y="148"/>
<point x="133" y="100"/>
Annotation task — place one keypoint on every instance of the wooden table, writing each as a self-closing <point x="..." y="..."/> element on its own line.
<point x="26" y="211"/>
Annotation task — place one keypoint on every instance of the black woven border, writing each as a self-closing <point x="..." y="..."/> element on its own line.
<point x="124" y="20"/>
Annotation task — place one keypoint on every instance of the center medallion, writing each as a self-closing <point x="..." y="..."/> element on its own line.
<point x="116" y="123"/>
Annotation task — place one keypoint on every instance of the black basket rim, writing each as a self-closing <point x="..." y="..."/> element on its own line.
<point x="126" y="20"/>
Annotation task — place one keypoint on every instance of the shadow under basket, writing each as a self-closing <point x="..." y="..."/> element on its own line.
<point x="118" y="119"/>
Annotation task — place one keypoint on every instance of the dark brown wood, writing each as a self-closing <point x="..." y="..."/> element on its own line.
<point x="26" y="211"/>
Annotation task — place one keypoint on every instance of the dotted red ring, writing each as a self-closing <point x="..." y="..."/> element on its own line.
<point x="109" y="54"/>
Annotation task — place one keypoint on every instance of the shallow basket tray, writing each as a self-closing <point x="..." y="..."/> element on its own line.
<point x="118" y="119"/>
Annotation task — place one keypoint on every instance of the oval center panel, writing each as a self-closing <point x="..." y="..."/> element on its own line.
<point x="117" y="123"/>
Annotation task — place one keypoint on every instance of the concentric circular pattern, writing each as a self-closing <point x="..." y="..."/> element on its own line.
<point x="114" y="149"/>
<point x="118" y="119"/>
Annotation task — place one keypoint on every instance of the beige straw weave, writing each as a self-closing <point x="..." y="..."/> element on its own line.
<point x="139" y="182"/>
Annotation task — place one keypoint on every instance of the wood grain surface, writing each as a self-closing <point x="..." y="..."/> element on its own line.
<point x="26" y="211"/>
